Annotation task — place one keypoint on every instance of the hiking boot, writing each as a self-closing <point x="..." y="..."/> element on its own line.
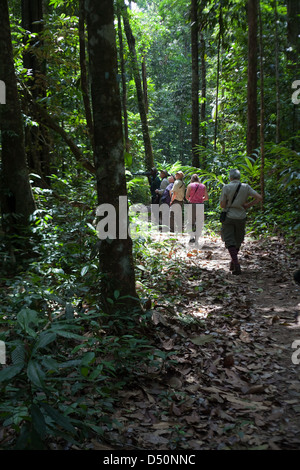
<point x="236" y="269"/>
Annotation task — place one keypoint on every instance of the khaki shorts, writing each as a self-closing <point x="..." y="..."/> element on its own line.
<point x="233" y="232"/>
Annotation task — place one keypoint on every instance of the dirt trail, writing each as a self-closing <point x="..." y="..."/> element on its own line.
<point x="235" y="384"/>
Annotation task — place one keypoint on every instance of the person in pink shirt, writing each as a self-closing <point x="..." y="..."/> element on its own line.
<point x="196" y="193"/>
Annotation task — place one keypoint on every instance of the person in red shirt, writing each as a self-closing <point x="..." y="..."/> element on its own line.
<point x="196" y="193"/>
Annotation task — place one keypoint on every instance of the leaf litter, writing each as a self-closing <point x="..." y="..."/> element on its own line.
<point x="231" y="382"/>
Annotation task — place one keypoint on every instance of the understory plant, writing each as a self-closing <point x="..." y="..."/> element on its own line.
<point x="62" y="376"/>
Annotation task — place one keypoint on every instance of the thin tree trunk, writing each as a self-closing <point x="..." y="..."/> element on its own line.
<point x="277" y="75"/>
<point x="218" y="78"/>
<point x="203" y="94"/>
<point x="124" y="87"/>
<point x="293" y="27"/>
<point x="262" y="110"/>
<point x="36" y="137"/>
<point x="195" y="83"/>
<point x="16" y="192"/>
<point x="145" y="85"/>
<point x="149" y="160"/>
<point x="293" y="54"/>
<point x="252" y="77"/>
<point x="83" y="73"/>
<point x="203" y="122"/>
<point x="116" y="261"/>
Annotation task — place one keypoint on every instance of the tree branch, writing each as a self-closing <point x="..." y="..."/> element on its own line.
<point x="43" y="117"/>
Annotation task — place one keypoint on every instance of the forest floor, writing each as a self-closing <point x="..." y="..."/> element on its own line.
<point x="234" y="382"/>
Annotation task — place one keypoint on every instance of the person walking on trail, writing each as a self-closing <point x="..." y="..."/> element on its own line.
<point x="177" y="198"/>
<point x="178" y="189"/>
<point x="154" y="182"/>
<point x="164" y="193"/>
<point x="164" y="183"/>
<point x="233" y="200"/>
<point x="166" y="196"/>
<point x="196" y="194"/>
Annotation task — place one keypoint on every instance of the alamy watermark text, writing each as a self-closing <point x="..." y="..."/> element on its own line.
<point x="2" y="92"/>
<point x="295" y="95"/>
<point x="140" y="220"/>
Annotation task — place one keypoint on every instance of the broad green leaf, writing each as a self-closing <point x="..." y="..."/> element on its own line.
<point x="88" y="358"/>
<point x="58" y="418"/>
<point x="69" y="335"/>
<point x="27" y="317"/>
<point x="45" y="338"/>
<point x="35" y="373"/>
<point x="116" y="294"/>
<point x="141" y="267"/>
<point x="49" y="363"/>
<point x="9" y="372"/>
<point x="84" y="270"/>
<point x="38" y="421"/>
<point x="128" y="159"/>
<point x="84" y="371"/>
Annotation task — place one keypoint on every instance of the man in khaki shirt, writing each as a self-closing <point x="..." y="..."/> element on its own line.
<point x="233" y="228"/>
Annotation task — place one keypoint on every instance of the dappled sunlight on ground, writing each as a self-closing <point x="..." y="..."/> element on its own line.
<point x="235" y="380"/>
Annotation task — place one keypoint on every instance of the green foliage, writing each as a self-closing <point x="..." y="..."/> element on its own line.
<point x="67" y="358"/>
<point x="64" y="365"/>
<point x="41" y="373"/>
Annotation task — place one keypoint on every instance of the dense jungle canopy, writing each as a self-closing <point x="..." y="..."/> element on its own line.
<point x="93" y="95"/>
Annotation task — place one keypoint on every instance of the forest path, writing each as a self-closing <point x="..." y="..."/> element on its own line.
<point x="235" y="383"/>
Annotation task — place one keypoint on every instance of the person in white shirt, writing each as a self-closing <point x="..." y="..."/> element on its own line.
<point x="178" y="189"/>
<point x="177" y="197"/>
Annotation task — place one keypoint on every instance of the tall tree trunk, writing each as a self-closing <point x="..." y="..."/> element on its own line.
<point x="218" y="76"/>
<point x="195" y="82"/>
<point x="203" y="94"/>
<point x="293" y="54"/>
<point x="36" y="137"/>
<point x="145" y="85"/>
<point x="293" y="28"/>
<point x="262" y="110"/>
<point x="149" y="160"/>
<point x="252" y="77"/>
<point x="124" y="87"/>
<point x="16" y="194"/>
<point x="116" y="261"/>
<point x="83" y="73"/>
<point x="277" y="74"/>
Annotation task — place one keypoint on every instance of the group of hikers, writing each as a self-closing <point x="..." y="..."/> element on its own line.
<point x="171" y="190"/>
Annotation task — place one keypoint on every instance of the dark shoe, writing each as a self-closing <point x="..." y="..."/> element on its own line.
<point x="192" y="240"/>
<point x="236" y="269"/>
